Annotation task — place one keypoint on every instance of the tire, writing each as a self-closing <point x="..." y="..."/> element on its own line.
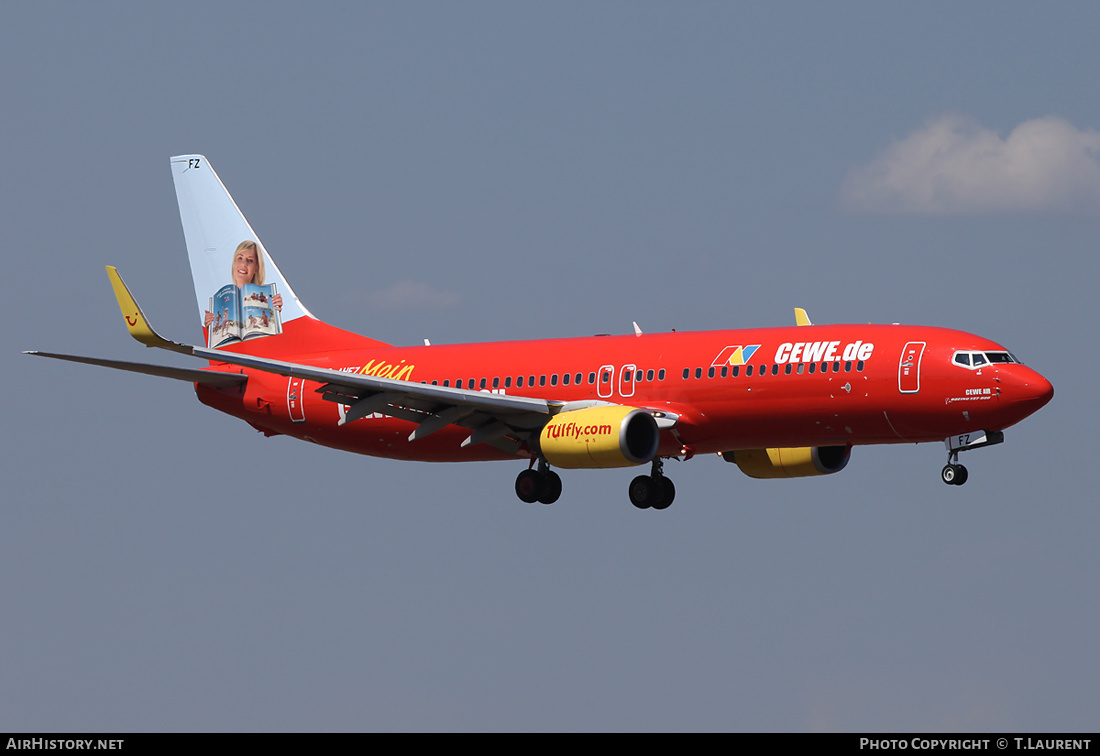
<point x="961" y="475"/>
<point x="551" y="487"/>
<point x="641" y="492"/>
<point x="948" y="474"/>
<point x="666" y="492"/>
<point x="528" y="486"/>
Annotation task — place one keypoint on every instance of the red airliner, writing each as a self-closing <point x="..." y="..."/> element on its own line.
<point x="777" y="402"/>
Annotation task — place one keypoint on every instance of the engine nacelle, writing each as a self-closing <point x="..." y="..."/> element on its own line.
<point x="797" y="462"/>
<point x="603" y="436"/>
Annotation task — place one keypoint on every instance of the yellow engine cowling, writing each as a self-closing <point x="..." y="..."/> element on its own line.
<point x="596" y="437"/>
<point x="797" y="462"/>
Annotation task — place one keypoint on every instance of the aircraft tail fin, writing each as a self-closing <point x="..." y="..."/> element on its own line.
<point x="214" y="227"/>
<point x="240" y="291"/>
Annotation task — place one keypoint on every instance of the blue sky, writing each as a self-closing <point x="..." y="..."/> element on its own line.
<point x="496" y="171"/>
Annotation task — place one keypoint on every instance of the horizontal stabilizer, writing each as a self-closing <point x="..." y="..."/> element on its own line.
<point x="205" y="377"/>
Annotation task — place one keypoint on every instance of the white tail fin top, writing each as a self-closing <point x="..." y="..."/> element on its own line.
<point x="214" y="227"/>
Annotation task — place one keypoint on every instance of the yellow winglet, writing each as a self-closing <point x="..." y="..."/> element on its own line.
<point x="800" y="317"/>
<point x="136" y="322"/>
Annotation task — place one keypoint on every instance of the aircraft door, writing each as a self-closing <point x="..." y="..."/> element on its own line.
<point x="626" y="380"/>
<point x="294" y="400"/>
<point x="909" y="367"/>
<point x="603" y="381"/>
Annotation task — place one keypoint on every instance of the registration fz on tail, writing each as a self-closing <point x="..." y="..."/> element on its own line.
<point x="776" y="402"/>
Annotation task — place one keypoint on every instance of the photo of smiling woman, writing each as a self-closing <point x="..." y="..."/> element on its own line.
<point x="247" y="307"/>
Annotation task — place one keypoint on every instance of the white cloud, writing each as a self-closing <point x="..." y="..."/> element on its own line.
<point x="955" y="166"/>
<point x="410" y="295"/>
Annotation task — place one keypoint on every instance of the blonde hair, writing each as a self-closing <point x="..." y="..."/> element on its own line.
<point x="249" y="244"/>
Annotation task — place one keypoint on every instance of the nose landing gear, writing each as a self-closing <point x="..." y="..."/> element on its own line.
<point x="954" y="474"/>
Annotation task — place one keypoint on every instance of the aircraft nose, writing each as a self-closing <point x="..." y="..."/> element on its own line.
<point x="1029" y="389"/>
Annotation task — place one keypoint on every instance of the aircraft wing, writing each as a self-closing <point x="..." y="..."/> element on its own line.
<point x="496" y="419"/>
<point x="501" y="420"/>
<point x="490" y="417"/>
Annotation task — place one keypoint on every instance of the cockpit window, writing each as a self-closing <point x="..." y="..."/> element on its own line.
<point x="976" y="359"/>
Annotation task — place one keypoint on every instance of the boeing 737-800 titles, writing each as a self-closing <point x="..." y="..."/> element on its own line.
<point x="777" y="402"/>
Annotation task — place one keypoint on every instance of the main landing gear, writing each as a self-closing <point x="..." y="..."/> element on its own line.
<point x="542" y="485"/>
<point x="653" y="491"/>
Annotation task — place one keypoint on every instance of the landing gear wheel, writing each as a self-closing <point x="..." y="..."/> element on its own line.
<point x="551" y="487"/>
<point x="666" y="492"/>
<point x="954" y="475"/>
<point x="642" y="490"/>
<point x="960" y="475"/>
<point x="529" y="486"/>
<point x="648" y="492"/>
